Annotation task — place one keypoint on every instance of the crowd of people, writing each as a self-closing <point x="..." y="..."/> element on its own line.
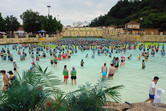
<point x="65" y="48"/>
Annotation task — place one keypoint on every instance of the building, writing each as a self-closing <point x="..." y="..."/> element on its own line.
<point x="83" y="31"/>
<point x="20" y="31"/>
<point x="132" y="25"/>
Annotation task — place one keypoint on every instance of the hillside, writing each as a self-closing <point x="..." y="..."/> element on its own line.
<point x="153" y="13"/>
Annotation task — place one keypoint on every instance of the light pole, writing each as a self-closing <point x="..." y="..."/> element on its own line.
<point x="141" y="19"/>
<point x="57" y="17"/>
<point x="48" y="9"/>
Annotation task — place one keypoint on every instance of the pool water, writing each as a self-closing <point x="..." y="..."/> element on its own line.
<point x="136" y="81"/>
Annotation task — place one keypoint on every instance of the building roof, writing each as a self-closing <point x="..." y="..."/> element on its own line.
<point x="120" y="26"/>
<point x="68" y="25"/>
<point x="112" y="26"/>
<point x="20" y="29"/>
<point x="132" y="22"/>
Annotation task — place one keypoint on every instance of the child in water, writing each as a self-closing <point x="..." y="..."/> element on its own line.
<point x="55" y="60"/>
<point x="86" y="56"/>
<point x="163" y="53"/>
<point x="129" y="58"/>
<point x="93" y="56"/>
<point x="15" y="66"/>
<point x="122" y="61"/>
<point x="110" y="54"/>
<point x="82" y="63"/>
<point x="139" y="57"/>
<point x="52" y="62"/>
<point x="143" y="64"/>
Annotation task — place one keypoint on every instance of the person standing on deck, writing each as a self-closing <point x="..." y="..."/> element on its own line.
<point x="152" y="89"/>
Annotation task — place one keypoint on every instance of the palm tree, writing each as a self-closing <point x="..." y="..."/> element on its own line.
<point x="37" y="90"/>
<point x="26" y="92"/>
<point x="91" y="98"/>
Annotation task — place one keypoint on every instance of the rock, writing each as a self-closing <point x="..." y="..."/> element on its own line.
<point x="135" y="107"/>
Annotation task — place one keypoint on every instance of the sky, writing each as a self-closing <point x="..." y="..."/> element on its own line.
<point x="67" y="11"/>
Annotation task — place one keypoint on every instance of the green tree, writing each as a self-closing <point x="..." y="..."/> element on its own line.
<point x="31" y="21"/>
<point x="152" y="11"/>
<point x="49" y="24"/>
<point x="11" y="23"/>
<point x="59" y="26"/>
<point x="2" y="23"/>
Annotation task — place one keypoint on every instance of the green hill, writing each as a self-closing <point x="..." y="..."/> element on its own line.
<point x="153" y="13"/>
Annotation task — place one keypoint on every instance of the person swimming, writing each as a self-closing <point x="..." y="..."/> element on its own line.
<point x="86" y="56"/>
<point x="129" y="58"/>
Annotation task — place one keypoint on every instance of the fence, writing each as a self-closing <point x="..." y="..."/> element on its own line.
<point x="29" y="39"/>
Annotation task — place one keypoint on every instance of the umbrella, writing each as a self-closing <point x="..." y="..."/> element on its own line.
<point x="42" y="31"/>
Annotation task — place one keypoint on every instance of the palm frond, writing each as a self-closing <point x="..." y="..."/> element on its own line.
<point x="88" y="98"/>
<point x="114" y="93"/>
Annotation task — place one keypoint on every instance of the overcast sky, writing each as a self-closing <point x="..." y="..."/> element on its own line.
<point x="69" y="11"/>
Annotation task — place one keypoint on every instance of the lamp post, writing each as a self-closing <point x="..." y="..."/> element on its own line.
<point x="141" y="19"/>
<point x="48" y="6"/>
<point x="57" y="17"/>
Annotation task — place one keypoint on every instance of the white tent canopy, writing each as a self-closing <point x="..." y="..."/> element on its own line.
<point x="3" y="33"/>
<point x="19" y="32"/>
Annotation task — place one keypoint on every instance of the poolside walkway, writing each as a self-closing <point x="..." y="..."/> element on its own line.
<point x="135" y="107"/>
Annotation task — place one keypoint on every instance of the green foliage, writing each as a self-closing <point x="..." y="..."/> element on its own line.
<point x="30" y="89"/>
<point x="12" y="23"/>
<point x="2" y="23"/>
<point x="37" y="90"/>
<point x="50" y="24"/>
<point x="124" y="11"/>
<point x="48" y="80"/>
<point x="33" y="22"/>
<point x="89" y="98"/>
<point x="155" y="20"/>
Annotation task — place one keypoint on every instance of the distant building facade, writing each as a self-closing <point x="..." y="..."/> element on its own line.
<point x="132" y="25"/>
<point x="91" y="31"/>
